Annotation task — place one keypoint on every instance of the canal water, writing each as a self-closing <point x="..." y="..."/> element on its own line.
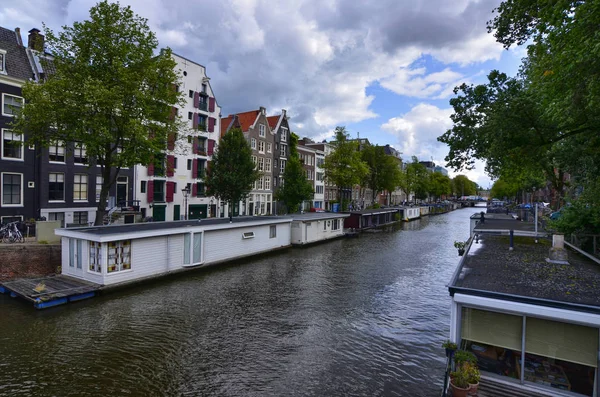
<point x="351" y="317"/>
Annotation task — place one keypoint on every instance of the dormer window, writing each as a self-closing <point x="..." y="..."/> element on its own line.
<point x="3" y="61"/>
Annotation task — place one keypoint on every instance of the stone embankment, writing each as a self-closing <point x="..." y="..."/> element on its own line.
<point x="28" y="260"/>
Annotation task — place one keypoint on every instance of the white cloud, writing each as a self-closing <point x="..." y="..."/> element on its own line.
<point x="416" y="83"/>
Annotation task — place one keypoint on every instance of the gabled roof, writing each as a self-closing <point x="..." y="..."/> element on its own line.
<point x="247" y="119"/>
<point x="17" y="64"/>
<point x="225" y="122"/>
<point x="273" y="120"/>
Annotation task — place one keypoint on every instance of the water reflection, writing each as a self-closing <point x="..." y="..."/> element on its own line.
<point x="352" y="317"/>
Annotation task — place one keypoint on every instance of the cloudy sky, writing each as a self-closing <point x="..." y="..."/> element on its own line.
<point x="385" y="69"/>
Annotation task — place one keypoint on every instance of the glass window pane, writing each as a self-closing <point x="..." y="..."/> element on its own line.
<point x="497" y="329"/>
<point x="197" y="247"/>
<point x="186" y="249"/>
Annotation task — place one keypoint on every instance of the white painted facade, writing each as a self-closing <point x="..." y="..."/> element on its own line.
<point x="161" y="251"/>
<point x="410" y="213"/>
<point x="194" y="82"/>
<point x="424" y="211"/>
<point x="311" y="228"/>
<point x="319" y="198"/>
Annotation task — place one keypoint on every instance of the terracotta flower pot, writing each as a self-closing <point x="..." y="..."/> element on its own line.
<point x="459" y="391"/>
<point x="473" y="388"/>
<point x="461" y="252"/>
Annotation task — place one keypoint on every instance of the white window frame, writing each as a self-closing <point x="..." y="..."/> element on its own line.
<point x="190" y="237"/>
<point x="79" y="147"/>
<point x="261" y="164"/>
<point x="283" y="151"/>
<point x="75" y="253"/>
<point x="269" y="148"/>
<point x="267" y="165"/>
<point x="2" y="188"/>
<point x="14" y="96"/>
<point x="254" y="160"/>
<point x="96" y="251"/>
<point x="57" y="145"/>
<point x="87" y="185"/>
<point x="64" y="187"/>
<point x="262" y="130"/>
<point x="2" y="218"/>
<point x="267" y="183"/>
<point x="283" y="134"/>
<point x="253" y="143"/>
<point x="2" y="61"/>
<point x="261" y="183"/>
<point x="21" y="146"/>
<point x="273" y="231"/>
<point x="119" y="259"/>
<point x="261" y="146"/>
<point x="282" y="165"/>
<point x="98" y="187"/>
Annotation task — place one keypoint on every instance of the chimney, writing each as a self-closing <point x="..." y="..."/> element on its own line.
<point x="263" y="110"/>
<point x="558" y="254"/>
<point x="35" y="40"/>
<point x="18" y="34"/>
<point x="283" y="111"/>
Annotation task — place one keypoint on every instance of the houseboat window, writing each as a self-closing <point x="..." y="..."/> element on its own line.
<point x="187" y="238"/>
<point x="325" y="225"/>
<point x="95" y="257"/>
<point x="565" y="356"/>
<point x="495" y="338"/>
<point x="272" y="231"/>
<point x="75" y="253"/>
<point x="336" y="224"/>
<point x="197" y="254"/>
<point x="119" y="256"/>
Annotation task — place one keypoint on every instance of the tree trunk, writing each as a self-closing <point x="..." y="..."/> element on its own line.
<point x="231" y="211"/>
<point x="104" y="190"/>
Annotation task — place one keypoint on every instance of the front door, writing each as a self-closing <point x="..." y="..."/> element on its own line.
<point x="122" y="191"/>
<point x="198" y="211"/>
<point x="176" y="212"/>
<point x="159" y="213"/>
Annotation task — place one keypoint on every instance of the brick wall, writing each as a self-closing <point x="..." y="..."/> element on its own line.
<point x="28" y="260"/>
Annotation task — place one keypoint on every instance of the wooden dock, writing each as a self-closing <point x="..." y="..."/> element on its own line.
<point x="50" y="291"/>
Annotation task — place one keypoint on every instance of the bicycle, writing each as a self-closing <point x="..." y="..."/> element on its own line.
<point x="9" y="233"/>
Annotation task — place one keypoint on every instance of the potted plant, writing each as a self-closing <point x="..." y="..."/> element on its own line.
<point x="450" y="348"/>
<point x="473" y="377"/>
<point x="459" y="383"/>
<point x="460" y="245"/>
<point x="462" y="356"/>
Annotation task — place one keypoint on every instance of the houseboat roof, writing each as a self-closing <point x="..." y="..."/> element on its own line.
<point x="376" y="211"/>
<point x="490" y="269"/>
<point x="152" y="229"/>
<point x="316" y="216"/>
<point x="503" y="224"/>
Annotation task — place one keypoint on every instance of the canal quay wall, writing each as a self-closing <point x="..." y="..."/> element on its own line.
<point x="29" y="260"/>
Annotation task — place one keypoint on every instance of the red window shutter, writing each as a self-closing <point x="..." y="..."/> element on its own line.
<point x="150" y="169"/>
<point x="173" y="113"/>
<point x="170" y="191"/>
<point x="195" y="168"/>
<point x="196" y="100"/>
<point x="211" y="104"/>
<point x="195" y="148"/>
<point x="208" y="166"/>
<point x="194" y="190"/>
<point x="150" y="191"/>
<point x="211" y="147"/>
<point x="195" y="121"/>
<point x="170" y="165"/>
<point x="171" y="141"/>
<point x="211" y="124"/>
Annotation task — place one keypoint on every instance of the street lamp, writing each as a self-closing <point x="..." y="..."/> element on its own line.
<point x="186" y="194"/>
<point x="210" y="210"/>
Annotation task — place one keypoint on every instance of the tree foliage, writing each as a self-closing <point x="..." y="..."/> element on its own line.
<point x="110" y="92"/>
<point x="546" y="119"/>
<point x="232" y="172"/>
<point x="344" y="167"/>
<point x="296" y="188"/>
<point x="416" y="179"/>
<point x="384" y="171"/>
<point x="439" y="184"/>
<point x="463" y="186"/>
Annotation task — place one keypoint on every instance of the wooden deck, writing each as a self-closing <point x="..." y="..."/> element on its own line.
<point x="50" y="291"/>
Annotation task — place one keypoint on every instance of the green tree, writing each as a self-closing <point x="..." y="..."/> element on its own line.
<point x="417" y="179"/>
<point x="383" y="170"/>
<point x="110" y="92"/>
<point x="439" y="184"/>
<point x="296" y="188"/>
<point x="463" y="186"/>
<point x="344" y="167"/>
<point x="232" y="172"/>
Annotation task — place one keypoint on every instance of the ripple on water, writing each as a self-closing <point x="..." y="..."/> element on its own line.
<point x="351" y="317"/>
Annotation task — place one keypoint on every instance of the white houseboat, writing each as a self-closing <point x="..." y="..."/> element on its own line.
<point x="109" y="255"/>
<point x="317" y="226"/>
<point x="410" y="213"/>
<point x="529" y="312"/>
